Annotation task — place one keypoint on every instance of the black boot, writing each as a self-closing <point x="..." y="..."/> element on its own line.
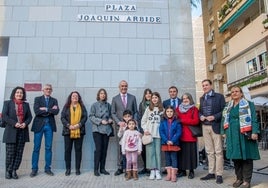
<point x="181" y="173"/>
<point x="8" y="175"/>
<point x="96" y="173"/>
<point x="14" y="174"/>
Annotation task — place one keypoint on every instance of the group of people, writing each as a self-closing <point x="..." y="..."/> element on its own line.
<point x="167" y="123"/>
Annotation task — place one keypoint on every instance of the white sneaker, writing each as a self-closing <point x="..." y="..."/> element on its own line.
<point x="152" y="175"/>
<point x="157" y="175"/>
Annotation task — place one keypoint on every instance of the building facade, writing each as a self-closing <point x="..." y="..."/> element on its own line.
<point x="236" y="48"/>
<point x="85" y="45"/>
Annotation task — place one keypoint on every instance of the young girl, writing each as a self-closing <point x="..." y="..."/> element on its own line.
<point x="131" y="147"/>
<point x="150" y="123"/>
<point x="170" y="132"/>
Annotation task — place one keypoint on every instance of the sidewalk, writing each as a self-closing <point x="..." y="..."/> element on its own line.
<point x="87" y="179"/>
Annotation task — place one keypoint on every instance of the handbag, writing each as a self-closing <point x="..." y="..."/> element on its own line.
<point x="248" y="136"/>
<point x="196" y="130"/>
<point x="75" y="133"/>
<point x="170" y="148"/>
<point x="147" y="139"/>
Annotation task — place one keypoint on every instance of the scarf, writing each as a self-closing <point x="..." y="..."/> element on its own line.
<point x="146" y="104"/>
<point x="244" y="115"/>
<point x="76" y="113"/>
<point x="19" y="110"/>
<point x="185" y="107"/>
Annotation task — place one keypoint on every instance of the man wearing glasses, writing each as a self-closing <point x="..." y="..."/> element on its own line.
<point x="45" y="108"/>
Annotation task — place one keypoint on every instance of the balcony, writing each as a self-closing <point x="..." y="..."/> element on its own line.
<point x="241" y="41"/>
<point x="231" y="10"/>
<point x="252" y="81"/>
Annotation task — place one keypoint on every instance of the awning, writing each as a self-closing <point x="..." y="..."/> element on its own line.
<point x="260" y="101"/>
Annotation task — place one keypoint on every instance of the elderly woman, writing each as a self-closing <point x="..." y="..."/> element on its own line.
<point x="188" y="116"/>
<point x="240" y="128"/>
<point x="101" y="119"/>
<point x="73" y="118"/>
<point x="17" y="116"/>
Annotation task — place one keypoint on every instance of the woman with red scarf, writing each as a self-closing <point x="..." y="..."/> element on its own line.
<point x="17" y="116"/>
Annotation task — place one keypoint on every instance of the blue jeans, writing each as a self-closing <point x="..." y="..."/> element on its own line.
<point x="171" y="159"/>
<point x="48" y="133"/>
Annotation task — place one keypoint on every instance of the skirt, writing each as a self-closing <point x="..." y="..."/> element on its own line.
<point x="187" y="156"/>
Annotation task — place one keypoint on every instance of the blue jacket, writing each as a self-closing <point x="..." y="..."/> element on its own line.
<point x="173" y="134"/>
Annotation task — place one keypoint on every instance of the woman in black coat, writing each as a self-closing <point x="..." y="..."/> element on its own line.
<point x="17" y="116"/>
<point x="73" y="118"/>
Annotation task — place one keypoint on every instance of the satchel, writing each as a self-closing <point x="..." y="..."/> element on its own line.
<point x="147" y="139"/>
<point x="196" y="130"/>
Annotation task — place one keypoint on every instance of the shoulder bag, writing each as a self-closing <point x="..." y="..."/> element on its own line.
<point x="196" y="129"/>
<point x="146" y="139"/>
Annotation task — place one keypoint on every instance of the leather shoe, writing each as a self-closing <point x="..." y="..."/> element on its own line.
<point x="103" y="171"/>
<point x="96" y="173"/>
<point x="77" y="172"/>
<point x="49" y="172"/>
<point x="191" y="175"/>
<point x="237" y="183"/>
<point x="219" y="180"/>
<point x="68" y="172"/>
<point x="208" y="177"/>
<point x="14" y="174"/>
<point x="8" y="175"/>
<point x="118" y="172"/>
<point x="33" y="173"/>
<point x="245" y="185"/>
<point x="181" y="173"/>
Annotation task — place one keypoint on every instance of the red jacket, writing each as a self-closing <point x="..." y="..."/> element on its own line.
<point x="191" y="117"/>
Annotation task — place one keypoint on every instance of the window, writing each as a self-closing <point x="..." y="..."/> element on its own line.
<point x="257" y="64"/>
<point x="225" y="48"/>
<point x="252" y="66"/>
<point x="216" y="86"/>
<point x="262" y="59"/>
<point x="214" y="57"/>
<point x="210" y="4"/>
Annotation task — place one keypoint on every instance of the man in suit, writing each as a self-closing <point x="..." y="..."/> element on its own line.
<point x="210" y="113"/>
<point x="120" y="103"/>
<point x="173" y="100"/>
<point x="45" y="108"/>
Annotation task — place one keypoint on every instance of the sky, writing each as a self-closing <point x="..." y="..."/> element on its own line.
<point x="196" y="12"/>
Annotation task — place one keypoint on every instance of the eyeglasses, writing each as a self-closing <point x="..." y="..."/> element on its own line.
<point x="48" y="89"/>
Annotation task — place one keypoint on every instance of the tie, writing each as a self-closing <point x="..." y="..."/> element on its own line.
<point x="124" y="100"/>
<point x="206" y="96"/>
<point x="174" y="103"/>
<point x="47" y="99"/>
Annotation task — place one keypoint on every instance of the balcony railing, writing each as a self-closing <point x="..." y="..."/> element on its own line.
<point x="230" y="11"/>
<point x="254" y="80"/>
<point x="227" y="7"/>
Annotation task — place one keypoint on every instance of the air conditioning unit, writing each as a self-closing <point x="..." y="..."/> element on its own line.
<point x="209" y="38"/>
<point x="211" y="67"/>
<point x="219" y="77"/>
